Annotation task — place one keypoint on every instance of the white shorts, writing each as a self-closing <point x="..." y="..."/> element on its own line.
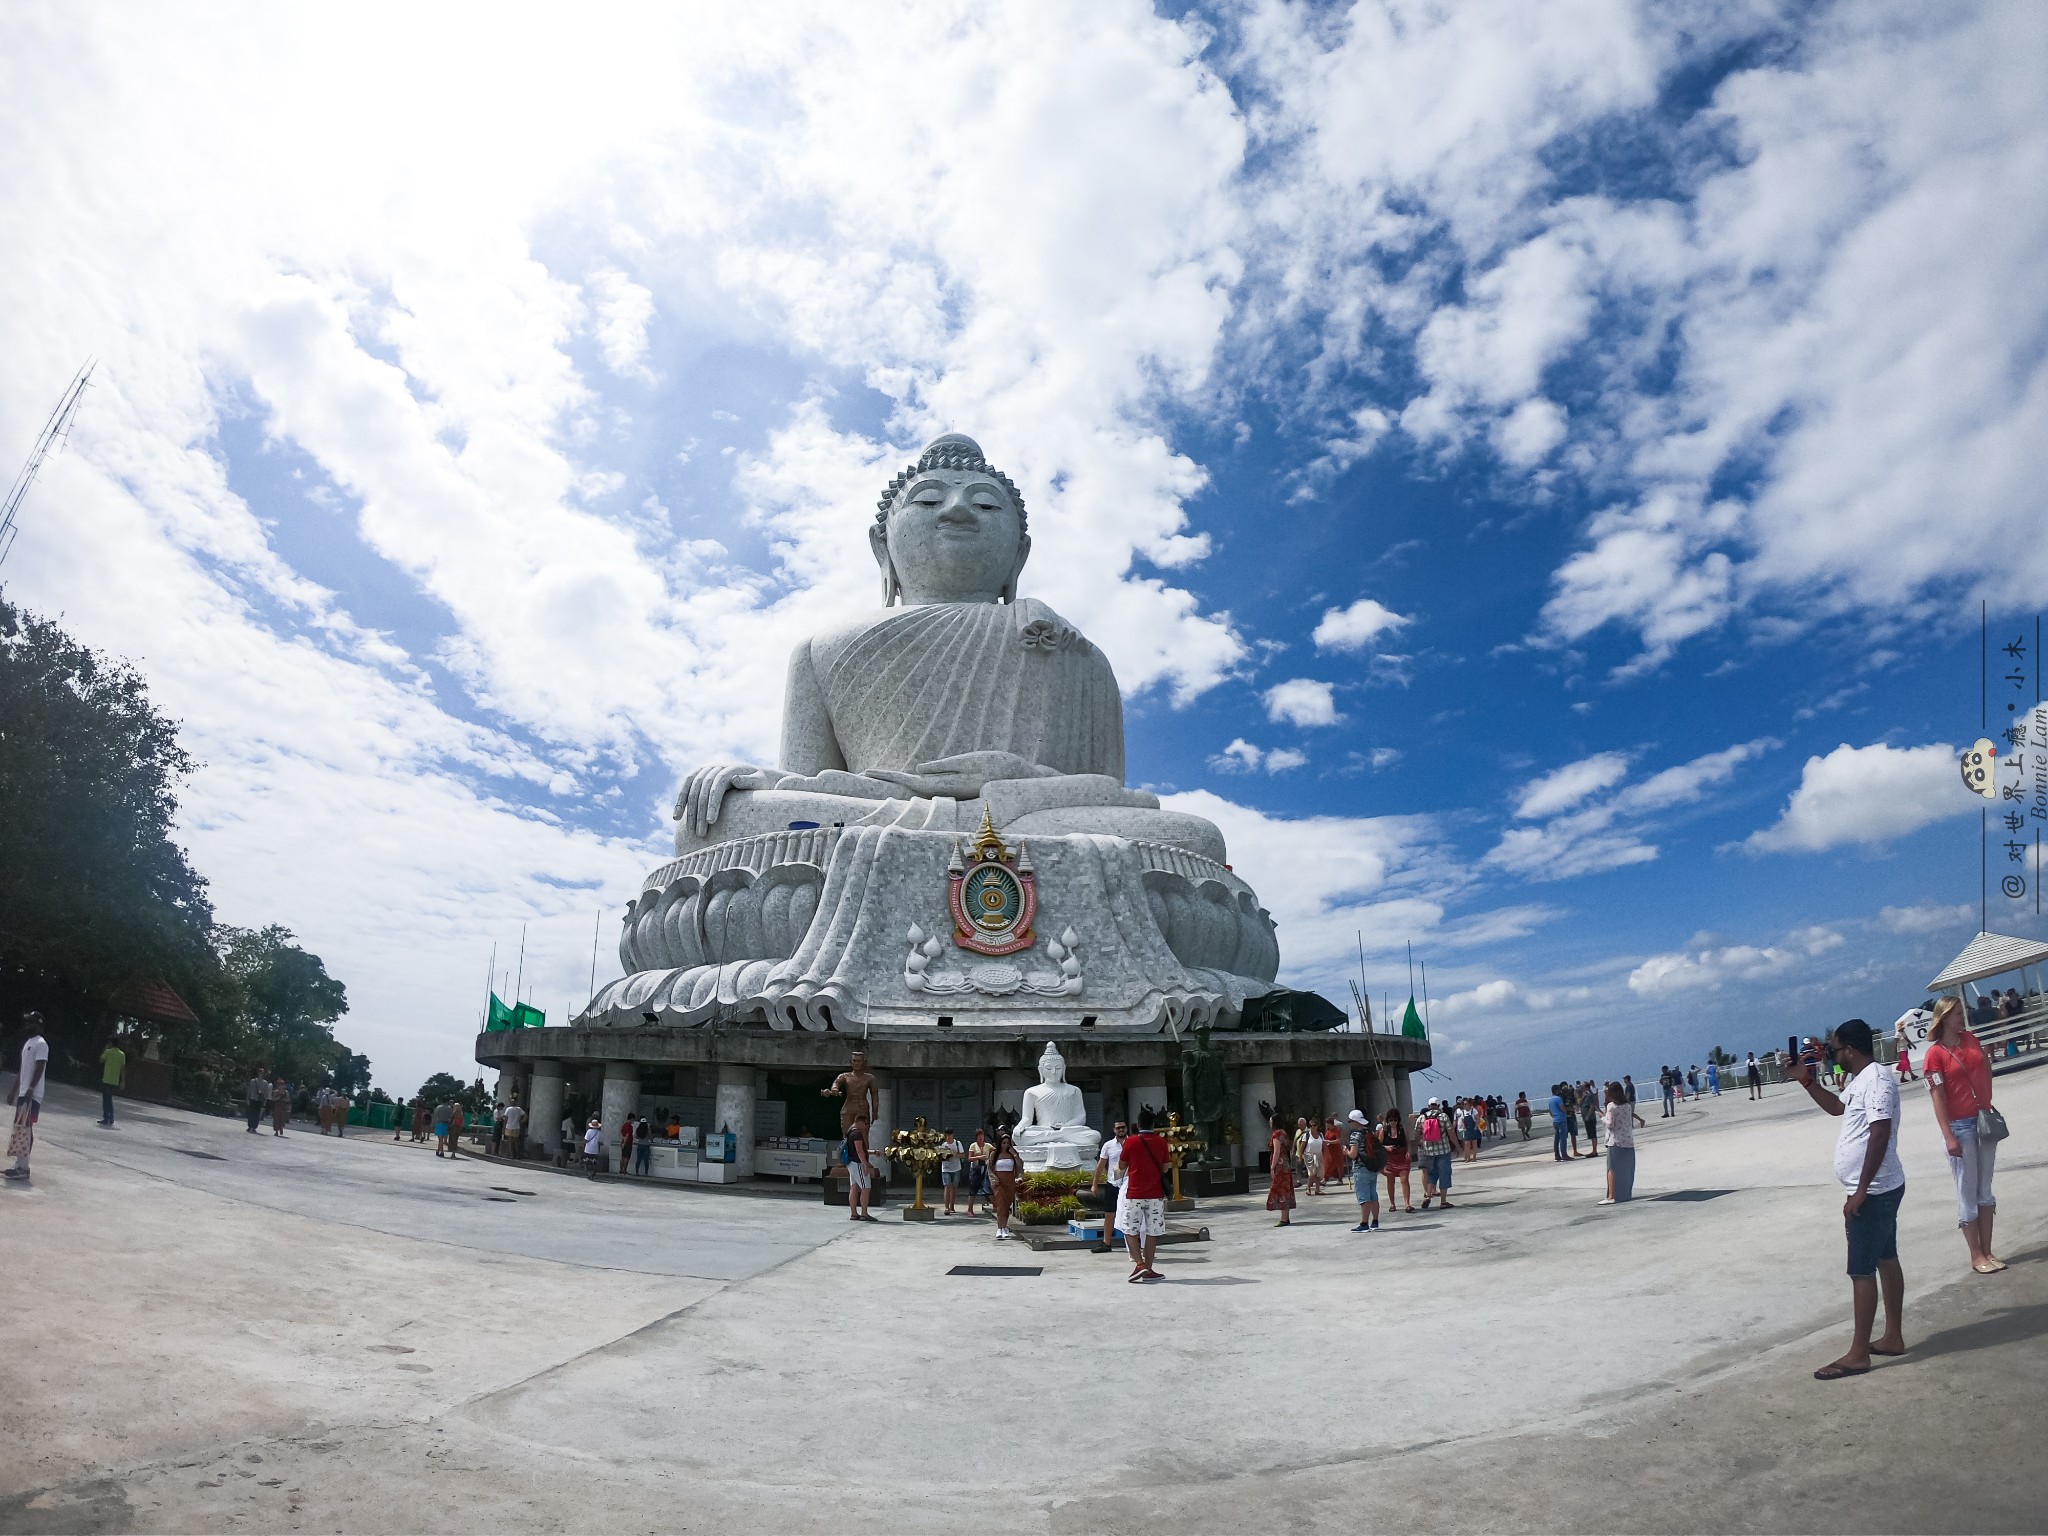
<point x="858" y="1176"/>
<point x="1141" y="1218"/>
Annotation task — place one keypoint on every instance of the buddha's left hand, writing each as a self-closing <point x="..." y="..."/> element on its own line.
<point x="962" y="776"/>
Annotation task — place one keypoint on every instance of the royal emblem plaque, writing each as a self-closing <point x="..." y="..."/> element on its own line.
<point x="993" y="895"/>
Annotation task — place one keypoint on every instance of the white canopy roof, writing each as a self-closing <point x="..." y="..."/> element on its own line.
<point x="1987" y="955"/>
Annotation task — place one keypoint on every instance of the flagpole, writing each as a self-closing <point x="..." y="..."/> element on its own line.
<point x="522" y="964"/>
<point x="490" y="985"/>
<point x="595" y="928"/>
<point x="1425" y="996"/>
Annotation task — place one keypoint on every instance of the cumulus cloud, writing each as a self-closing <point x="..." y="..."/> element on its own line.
<point x="1705" y="965"/>
<point x="624" y="309"/>
<point x="1866" y="795"/>
<point x="1356" y="627"/>
<point x="1242" y="757"/>
<point x="1302" y="701"/>
<point x="1828" y="297"/>
<point x="1960" y="918"/>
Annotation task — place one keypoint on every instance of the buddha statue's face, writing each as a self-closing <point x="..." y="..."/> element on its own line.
<point x="1051" y="1068"/>
<point x="954" y="536"/>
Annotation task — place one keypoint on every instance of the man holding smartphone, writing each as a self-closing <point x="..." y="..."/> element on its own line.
<point x="1867" y="1163"/>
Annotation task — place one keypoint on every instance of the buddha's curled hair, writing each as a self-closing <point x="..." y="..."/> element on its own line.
<point x="953" y="451"/>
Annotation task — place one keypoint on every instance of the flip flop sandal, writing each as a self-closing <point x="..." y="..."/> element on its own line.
<point x="1837" y="1372"/>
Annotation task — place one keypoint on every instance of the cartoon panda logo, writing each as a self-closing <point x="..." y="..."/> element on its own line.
<point x="1979" y="759"/>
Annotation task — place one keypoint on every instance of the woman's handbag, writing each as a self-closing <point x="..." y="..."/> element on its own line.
<point x="1991" y="1125"/>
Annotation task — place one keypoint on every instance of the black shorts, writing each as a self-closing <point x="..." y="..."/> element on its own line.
<point x="1874" y="1232"/>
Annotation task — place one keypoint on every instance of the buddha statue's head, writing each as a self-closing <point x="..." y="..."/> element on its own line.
<point x="950" y="529"/>
<point x="1052" y="1066"/>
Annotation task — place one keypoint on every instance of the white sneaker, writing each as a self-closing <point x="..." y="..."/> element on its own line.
<point x="1608" y="1201"/>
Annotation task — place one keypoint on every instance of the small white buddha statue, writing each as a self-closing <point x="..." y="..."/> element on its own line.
<point x="1052" y="1126"/>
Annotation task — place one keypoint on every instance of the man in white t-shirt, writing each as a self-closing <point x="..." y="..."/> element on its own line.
<point x="515" y="1130"/>
<point x="1867" y="1163"/>
<point x="1109" y="1164"/>
<point x="27" y="1099"/>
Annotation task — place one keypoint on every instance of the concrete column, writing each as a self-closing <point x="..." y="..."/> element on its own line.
<point x="1258" y="1084"/>
<point x="1379" y="1096"/>
<point x="1404" y="1095"/>
<point x="733" y="1110"/>
<point x="1340" y="1094"/>
<point x="1010" y="1088"/>
<point x="1147" y="1087"/>
<point x="511" y="1087"/>
<point x="544" y="1108"/>
<point x="621" y="1098"/>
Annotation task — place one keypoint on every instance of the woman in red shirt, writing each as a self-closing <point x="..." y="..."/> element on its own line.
<point x="1959" y="1084"/>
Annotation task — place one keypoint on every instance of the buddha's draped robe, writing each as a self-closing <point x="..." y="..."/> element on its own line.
<point x="948" y="678"/>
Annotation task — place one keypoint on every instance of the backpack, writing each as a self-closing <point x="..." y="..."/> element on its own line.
<point x="1372" y="1155"/>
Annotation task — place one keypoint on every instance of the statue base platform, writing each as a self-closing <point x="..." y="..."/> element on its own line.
<point x="1209" y="1183"/>
<point x="920" y="1213"/>
<point x="822" y="928"/>
<point x="1178" y="1206"/>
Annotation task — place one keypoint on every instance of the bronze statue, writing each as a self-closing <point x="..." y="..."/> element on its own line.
<point x="859" y="1094"/>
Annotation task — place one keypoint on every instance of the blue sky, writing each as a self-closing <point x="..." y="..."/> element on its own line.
<point x="1535" y="469"/>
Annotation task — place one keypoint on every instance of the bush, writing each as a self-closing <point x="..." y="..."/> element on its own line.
<point x="1048" y="1213"/>
<point x="1053" y="1183"/>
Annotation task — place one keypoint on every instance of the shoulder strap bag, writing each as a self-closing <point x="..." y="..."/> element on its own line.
<point x="1991" y="1125"/>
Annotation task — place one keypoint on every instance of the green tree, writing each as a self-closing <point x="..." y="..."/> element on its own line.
<point x="93" y="890"/>
<point x="443" y="1087"/>
<point x="286" y="1003"/>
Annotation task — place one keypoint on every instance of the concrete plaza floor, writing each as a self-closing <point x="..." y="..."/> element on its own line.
<point x="207" y="1330"/>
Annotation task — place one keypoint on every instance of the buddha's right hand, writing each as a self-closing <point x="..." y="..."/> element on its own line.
<point x="703" y="792"/>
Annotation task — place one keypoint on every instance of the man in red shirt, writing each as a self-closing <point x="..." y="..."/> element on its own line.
<point x="1142" y="1212"/>
<point x="1959" y="1085"/>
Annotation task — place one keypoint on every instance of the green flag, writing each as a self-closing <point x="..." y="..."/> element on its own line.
<point x="513" y="1016"/>
<point x="1411" y="1023"/>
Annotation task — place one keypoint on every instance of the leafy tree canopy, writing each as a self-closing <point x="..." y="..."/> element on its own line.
<point x="95" y="893"/>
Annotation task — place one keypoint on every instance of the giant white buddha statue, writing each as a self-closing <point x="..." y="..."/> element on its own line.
<point x="1052" y="1128"/>
<point x="959" y="723"/>
<point x="966" y="700"/>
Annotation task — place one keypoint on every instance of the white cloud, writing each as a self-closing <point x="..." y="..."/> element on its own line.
<point x="1488" y="997"/>
<point x="1869" y="795"/>
<point x="624" y="309"/>
<point x="1356" y="627"/>
<point x="1562" y="788"/>
<point x="1707" y="966"/>
<point x="1302" y="701"/>
<point x="1610" y="832"/>
<point x="1327" y="880"/>
<point x="1834" y="301"/>
<point x="399" y="298"/>
<point x="1961" y="918"/>
<point x="1242" y="757"/>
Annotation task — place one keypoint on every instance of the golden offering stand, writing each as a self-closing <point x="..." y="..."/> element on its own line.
<point x="1183" y="1142"/>
<point x="919" y="1150"/>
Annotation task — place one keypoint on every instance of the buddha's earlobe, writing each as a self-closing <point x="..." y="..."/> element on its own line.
<point x="892" y="588"/>
<point x="1008" y="591"/>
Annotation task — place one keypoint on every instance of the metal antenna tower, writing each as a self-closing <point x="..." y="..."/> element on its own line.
<point x="54" y="434"/>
